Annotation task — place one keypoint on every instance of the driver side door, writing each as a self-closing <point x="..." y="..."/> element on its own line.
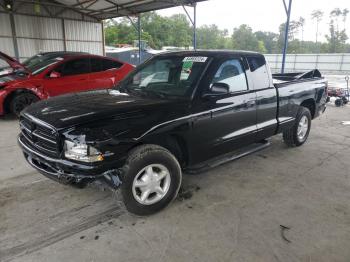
<point x="223" y="122"/>
<point x="73" y="77"/>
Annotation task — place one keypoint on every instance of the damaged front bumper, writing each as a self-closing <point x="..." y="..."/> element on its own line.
<point x="68" y="172"/>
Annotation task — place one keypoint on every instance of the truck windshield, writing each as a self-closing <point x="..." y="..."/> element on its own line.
<point x="166" y="76"/>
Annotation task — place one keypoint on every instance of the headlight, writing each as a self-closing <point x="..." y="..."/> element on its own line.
<point x="82" y="152"/>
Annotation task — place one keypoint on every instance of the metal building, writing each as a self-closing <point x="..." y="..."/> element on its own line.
<point x="31" y="26"/>
<point x="28" y="27"/>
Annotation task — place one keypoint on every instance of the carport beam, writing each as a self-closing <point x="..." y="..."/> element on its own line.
<point x="193" y="22"/>
<point x="288" y="12"/>
<point x="14" y="37"/>
<point x="195" y="26"/>
<point x="139" y="31"/>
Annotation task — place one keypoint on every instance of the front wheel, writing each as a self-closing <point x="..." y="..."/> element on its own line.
<point x="299" y="132"/>
<point x="21" y="101"/>
<point x="151" y="179"/>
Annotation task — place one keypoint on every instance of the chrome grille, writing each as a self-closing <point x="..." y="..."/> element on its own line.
<point x="42" y="138"/>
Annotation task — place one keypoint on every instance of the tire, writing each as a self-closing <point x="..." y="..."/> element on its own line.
<point x="21" y="101"/>
<point x="153" y="171"/>
<point x="338" y="102"/>
<point x="290" y="136"/>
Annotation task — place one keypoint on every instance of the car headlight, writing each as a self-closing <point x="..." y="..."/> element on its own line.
<point x="82" y="152"/>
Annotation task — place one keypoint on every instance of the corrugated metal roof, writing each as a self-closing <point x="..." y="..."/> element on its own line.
<point x="104" y="9"/>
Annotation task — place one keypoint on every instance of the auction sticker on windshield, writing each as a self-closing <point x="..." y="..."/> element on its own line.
<point x="197" y="59"/>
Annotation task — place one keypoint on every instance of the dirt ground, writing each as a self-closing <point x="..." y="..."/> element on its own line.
<point x="230" y="213"/>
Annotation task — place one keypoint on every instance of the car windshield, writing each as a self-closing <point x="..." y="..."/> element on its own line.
<point x="38" y="63"/>
<point x="5" y="68"/>
<point x="166" y="76"/>
<point x="41" y="66"/>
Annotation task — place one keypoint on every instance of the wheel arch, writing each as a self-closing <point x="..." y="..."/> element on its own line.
<point x="172" y="142"/>
<point x="311" y="105"/>
<point x="13" y="94"/>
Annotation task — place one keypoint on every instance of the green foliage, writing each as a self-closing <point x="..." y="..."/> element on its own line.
<point x="176" y="30"/>
<point x="211" y="37"/>
<point x="243" y="38"/>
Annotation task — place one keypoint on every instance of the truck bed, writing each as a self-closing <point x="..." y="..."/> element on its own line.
<point x="287" y="78"/>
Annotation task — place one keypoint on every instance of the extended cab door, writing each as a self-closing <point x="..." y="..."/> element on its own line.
<point x="223" y="122"/>
<point x="266" y="96"/>
<point x="72" y="76"/>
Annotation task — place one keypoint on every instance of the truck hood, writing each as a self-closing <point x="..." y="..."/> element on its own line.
<point x="93" y="106"/>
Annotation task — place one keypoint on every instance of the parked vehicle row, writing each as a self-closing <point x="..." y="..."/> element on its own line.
<point x="54" y="73"/>
<point x="180" y="111"/>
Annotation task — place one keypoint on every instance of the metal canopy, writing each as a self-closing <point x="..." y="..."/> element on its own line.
<point x="105" y="9"/>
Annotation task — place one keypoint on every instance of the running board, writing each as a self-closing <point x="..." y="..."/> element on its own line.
<point x="218" y="161"/>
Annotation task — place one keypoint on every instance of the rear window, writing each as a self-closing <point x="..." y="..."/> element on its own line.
<point x="260" y="74"/>
<point x="256" y="62"/>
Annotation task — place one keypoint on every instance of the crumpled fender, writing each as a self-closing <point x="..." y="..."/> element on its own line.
<point x="32" y="86"/>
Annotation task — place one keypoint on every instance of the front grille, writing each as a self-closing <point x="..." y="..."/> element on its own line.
<point x="40" y="137"/>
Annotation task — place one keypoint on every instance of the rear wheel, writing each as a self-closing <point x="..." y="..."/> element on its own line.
<point x="299" y="132"/>
<point x="151" y="179"/>
<point x="21" y="101"/>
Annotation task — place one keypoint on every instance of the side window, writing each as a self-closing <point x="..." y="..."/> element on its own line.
<point x="259" y="74"/>
<point x="74" y="67"/>
<point x="256" y="62"/>
<point x="96" y="65"/>
<point x="110" y="64"/>
<point x="231" y="72"/>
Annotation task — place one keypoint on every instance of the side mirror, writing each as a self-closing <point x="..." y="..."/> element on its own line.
<point x="55" y="74"/>
<point x="217" y="89"/>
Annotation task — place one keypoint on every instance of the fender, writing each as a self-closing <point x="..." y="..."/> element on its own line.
<point x="11" y="92"/>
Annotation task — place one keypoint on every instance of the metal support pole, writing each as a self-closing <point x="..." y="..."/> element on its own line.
<point x="347" y="86"/>
<point x="286" y="34"/>
<point x="195" y="26"/>
<point x="64" y="35"/>
<point x="139" y="31"/>
<point x="14" y="37"/>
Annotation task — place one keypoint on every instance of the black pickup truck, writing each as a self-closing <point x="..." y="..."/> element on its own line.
<point x="180" y="111"/>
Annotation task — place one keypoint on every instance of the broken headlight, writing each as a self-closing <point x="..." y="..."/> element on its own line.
<point x="81" y="152"/>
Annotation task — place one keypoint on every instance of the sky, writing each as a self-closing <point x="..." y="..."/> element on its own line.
<point x="264" y="15"/>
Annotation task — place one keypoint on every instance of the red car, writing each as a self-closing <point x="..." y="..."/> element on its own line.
<point x="54" y="73"/>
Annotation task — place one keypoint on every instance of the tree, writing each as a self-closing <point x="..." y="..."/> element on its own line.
<point x="211" y="37"/>
<point x="243" y="38"/>
<point x="176" y="30"/>
<point x="336" y="39"/>
<point x="335" y="14"/>
<point x="317" y="15"/>
<point x="344" y="14"/>
<point x="269" y="39"/>
<point x="180" y="31"/>
<point x="111" y="33"/>
<point x="302" y="24"/>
